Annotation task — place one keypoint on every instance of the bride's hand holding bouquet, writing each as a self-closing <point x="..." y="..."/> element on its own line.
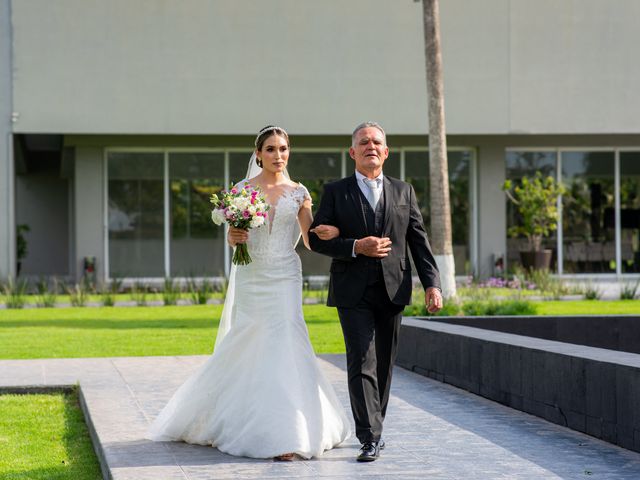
<point x="242" y="207"/>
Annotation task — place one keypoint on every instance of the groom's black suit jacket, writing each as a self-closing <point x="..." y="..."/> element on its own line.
<point x="341" y="206"/>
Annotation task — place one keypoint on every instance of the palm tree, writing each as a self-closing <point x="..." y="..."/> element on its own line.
<point x="438" y="165"/>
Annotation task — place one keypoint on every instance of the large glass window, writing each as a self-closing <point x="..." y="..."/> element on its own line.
<point x="238" y="165"/>
<point x="195" y="247"/>
<point x="391" y="164"/>
<point x="313" y="170"/>
<point x="459" y="162"/>
<point x="521" y="164"/>
<point x="196" y="243"/>
<point x="588" y="212"/>
<point x="630" y="211"/>
<point x="136" y="214"/>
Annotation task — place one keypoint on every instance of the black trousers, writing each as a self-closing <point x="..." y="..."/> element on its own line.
<point x="370" y="332"/>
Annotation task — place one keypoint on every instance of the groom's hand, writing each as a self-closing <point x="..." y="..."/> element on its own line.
<point x="373" y="247"/>
<point x="433" y="300"/>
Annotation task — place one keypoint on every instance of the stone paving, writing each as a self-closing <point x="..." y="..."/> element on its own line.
<point x="433" y="430"/>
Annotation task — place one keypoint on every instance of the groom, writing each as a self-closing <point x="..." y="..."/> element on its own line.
<point x="370" y="282"/>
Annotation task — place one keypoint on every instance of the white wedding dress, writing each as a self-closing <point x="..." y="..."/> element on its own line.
<point x="261" y="393"/>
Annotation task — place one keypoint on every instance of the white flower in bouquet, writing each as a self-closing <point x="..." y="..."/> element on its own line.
<point x="241" y="203"/>
<point x="257" y="221"/>
<point x="218" y="216"/>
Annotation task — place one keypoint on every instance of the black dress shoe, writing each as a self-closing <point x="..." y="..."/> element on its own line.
<point x="369" y="452"/>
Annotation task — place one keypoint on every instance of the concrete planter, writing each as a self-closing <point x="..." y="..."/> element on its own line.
<point x="613" y="332"/>
<point x="539" y="260"/>
<point x="591" y="390"/>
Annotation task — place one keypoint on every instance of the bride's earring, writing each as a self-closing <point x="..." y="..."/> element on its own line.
<point x="259" y="162"/>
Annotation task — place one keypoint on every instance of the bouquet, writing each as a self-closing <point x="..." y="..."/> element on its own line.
<point x="242" y="206"/>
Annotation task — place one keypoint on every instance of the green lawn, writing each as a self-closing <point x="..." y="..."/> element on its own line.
<point x="588" y="307"/>
<point x="183" y="330"/>
<point x="134" y="331"/>
<point x="45" y="437"/>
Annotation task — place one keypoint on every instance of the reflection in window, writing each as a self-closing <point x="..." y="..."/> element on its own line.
<point x="630" y="211"/>
<point x="136" y="214"/>
<point x="521" y="164"/>
<point x="196" y="243"/>
<point x="417" y="173"/>
<point x="391" y="165"/>
<point x="588" y="212"/>
<point x="238" y="165"/>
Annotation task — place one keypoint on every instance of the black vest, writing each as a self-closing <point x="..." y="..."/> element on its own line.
<point x="375" y="224"/>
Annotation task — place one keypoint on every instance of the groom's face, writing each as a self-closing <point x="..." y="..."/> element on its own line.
<point x="369" y="150"/>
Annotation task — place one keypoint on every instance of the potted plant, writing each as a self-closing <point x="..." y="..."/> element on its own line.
<point x="536" y="200"/>
<point x="21" y="245"/>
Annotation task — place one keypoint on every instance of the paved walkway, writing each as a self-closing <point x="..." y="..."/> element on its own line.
<point x="433" y="431"/>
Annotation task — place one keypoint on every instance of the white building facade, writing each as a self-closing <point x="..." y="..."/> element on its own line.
<point x="118" y="119"/>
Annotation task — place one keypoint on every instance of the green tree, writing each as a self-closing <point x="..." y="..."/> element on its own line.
<point x="537" y="202"/>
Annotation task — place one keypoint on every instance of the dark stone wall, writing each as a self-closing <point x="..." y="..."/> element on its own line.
<point x="614" y="332"/>
<point x="597" y="397"/>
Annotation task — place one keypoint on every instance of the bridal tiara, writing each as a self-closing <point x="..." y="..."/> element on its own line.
<point x="269" y="129"/>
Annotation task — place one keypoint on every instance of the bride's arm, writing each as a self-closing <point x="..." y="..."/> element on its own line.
<point x="305" y="219"/>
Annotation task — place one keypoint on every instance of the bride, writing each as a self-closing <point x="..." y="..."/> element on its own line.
<point x="261" y="394"/>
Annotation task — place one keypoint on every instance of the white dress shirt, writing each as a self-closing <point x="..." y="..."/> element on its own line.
<point x="366" y="191"/>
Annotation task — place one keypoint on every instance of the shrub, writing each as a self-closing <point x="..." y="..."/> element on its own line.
<point x="591" y="292"/>
<point x="449" y="309"/>
<point x="201" y="292"/>
<point x="108" y="295"/>
<point x="47" y="293"/>
<point x="15" y="293"/>
<point x="493" y="308"/>
<point x="170" y="292"/>
<point x="628" y="291"/>
<point x="516" y="307"/>
<point x="78" y="294"/>
<point x="547" y="284"/>
<point x="139" y="294"/>
<point x="474" y="308"/>
<point x="415" y="310"/>
<point x="110" y="292"/>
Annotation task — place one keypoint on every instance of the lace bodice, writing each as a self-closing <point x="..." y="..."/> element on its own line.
<point x="279" y="235"/>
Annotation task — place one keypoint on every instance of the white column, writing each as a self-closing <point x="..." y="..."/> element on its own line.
<point x="492" y="215"/>
<point x="89" y="209"/>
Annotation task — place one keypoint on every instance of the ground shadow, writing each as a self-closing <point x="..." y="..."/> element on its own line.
<point x="552" y="447"/>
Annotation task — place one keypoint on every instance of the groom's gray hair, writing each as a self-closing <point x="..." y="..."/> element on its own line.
<point x="367" y="125"/>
